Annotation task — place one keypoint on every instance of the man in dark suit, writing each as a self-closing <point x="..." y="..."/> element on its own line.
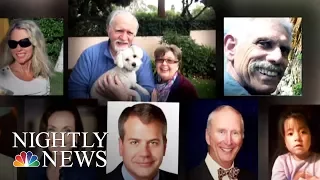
<point x="142" y="144"/>
<point x="224" y="136"/>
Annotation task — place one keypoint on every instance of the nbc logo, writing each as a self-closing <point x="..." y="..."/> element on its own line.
<point x="26" y="160"/>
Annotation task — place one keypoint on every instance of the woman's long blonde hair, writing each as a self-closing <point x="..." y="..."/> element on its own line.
<point x="40" y="63"/>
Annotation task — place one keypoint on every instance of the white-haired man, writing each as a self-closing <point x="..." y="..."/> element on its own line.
<point x="224" y="136"/>
<point x="122" y="27"/>
<point x="256" y="52"/>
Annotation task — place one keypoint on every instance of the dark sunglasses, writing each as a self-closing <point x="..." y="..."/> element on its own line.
<point x="22" y="43"/>
<point x="169" y="61"/>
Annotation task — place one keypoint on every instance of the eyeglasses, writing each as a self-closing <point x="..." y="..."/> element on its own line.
<point x="169" y="61"/>
<point x="22" y="43"/>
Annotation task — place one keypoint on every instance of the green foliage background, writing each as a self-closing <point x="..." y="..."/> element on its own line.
<point x="197" y="60"/>
<point x="52" y="29"/>
<point x="150" y="25"/>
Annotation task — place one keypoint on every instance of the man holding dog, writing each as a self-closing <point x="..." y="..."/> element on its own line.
<point x="122" y="27"/>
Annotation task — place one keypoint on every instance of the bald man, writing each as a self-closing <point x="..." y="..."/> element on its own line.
<point x="224" y="136"/>
<point x="122" y="27"/>
<point x="256" y="52"/>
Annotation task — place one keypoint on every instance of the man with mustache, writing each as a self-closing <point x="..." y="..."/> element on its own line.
<point x="224" y="136"/>
<point x="122" y="27"/>
<point x="256" y="52"/>
<point x="142" y="144"/>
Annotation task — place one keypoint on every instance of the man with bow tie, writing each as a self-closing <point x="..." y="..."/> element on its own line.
<point x="224" y="136"/>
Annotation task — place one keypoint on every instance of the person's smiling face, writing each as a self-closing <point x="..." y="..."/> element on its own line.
<point x="261" y="58"/>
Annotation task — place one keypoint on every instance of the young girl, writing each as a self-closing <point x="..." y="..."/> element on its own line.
<point x="299" y="163"/>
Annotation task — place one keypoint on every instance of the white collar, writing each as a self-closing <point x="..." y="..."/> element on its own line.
<point x="213" y="166"/>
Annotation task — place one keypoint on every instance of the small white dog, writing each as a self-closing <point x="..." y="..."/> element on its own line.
<point x="128" y="61"/>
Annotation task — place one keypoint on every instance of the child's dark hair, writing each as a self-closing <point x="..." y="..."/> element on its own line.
<point x="299" y="115"/>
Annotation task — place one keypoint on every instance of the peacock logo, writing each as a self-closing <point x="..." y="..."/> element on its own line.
<point x="26" y="160"/>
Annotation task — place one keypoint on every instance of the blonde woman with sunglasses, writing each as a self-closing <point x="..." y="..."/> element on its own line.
<point x="24" y="65"/>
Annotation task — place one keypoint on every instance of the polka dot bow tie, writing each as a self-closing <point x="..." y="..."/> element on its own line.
<point x="232" y="173"/>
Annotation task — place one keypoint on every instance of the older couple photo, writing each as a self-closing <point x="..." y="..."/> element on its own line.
<point x="120" y="70"/>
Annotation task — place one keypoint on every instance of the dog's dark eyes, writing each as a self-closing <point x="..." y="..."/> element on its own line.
<point x="127" y="59"/>
<point x="134" y="56"/>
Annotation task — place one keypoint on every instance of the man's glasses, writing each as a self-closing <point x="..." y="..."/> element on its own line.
<point x="169" y="61"/>
<point x="22" y="43"/>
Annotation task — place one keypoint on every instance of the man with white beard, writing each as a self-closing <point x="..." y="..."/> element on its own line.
<point x="122" y="27"/>
<point x="256" y="53"/>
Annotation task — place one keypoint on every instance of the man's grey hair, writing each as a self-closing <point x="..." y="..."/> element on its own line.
<point x="220" y="108"/>
<point x="240" y="27"/>
<point x="115" y="13"/>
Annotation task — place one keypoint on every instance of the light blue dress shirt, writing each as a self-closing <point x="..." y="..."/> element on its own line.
<point x="126" y="175"/>
<point x="232" y="87"/>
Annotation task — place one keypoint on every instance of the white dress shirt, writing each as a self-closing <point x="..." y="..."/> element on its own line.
<point x="213" y="167"/>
